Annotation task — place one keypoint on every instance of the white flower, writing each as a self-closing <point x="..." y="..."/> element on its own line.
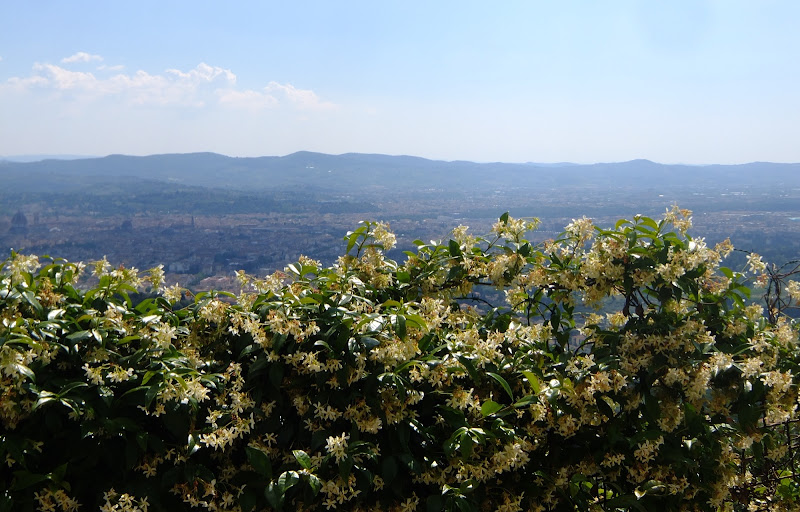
<point x="21" y="264"/>
<point x="755" y="264"/>
<point x="173" y="293"/>
<point x="337" y="446"/>
<point x="384" y="237"/>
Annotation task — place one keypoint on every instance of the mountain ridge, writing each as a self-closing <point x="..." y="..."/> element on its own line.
<point x="344" y="172"/>
<point x="35" y="158"/>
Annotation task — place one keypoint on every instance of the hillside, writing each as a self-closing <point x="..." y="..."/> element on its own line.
<point x="343" y="173"/>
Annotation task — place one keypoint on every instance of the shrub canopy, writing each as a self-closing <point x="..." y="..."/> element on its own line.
<point x="609" y="369"/>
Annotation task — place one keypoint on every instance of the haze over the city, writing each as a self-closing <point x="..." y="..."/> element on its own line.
<point x="676" y="82"/>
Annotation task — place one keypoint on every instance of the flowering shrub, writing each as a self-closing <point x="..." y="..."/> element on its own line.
<point x="625" y="370"/>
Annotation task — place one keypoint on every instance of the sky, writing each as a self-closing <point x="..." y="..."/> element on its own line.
<point x="676" y="81"/>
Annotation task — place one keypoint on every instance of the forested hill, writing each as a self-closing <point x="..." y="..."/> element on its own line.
<point x="340" y="173"/>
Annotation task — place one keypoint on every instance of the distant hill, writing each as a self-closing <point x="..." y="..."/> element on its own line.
<point x="37" y="158"/>
<point x="353" y="172"/>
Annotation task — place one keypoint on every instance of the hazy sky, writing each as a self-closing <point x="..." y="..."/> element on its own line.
<point x="543" y="81"/>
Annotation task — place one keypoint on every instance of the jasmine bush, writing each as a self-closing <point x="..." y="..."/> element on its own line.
<point x="379" y="385"/>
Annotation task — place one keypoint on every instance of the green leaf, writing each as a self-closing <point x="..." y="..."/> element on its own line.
<point x="369" y="342"/>
<point x="31" y="298"/>
<point x="533" y="380"/>
<point x="58" y="474"/>
<point x="127" y="339"/>
<point x="287" y="480"/>
<point x="248" y="500"/>
<point x="79" y="336"/>
<point x="526" y="401"/>
<point x="416" y="321"/>
<point x="470" y="366"/>
<point x="260" y="461"/>
<point x="147" y="376"/>
<point x="352" y="237"/>
<point x="69" y="387"/>
<point x="323" y="343"/>
<point x="490" y="407"/>
<point x="25" y="479"/>
<point x="151" y="395"/>
<point x="647" y="221"/>
<point x="302" y="458"/>
<point x="503" y="383"/>
<point x="273" y="498"/>
<point x="400" y="328"/>
<point x="24" y="370"/>
<point x="315" y="484"/>
<point x="464" y="504"/>
<point x="454" y="248"/>
<point x="345" y="467"/>
<point x="55" y="314"/>
<point x="625" y="501"/>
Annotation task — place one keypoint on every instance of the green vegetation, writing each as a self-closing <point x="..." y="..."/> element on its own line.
<point x="382" y="385"/>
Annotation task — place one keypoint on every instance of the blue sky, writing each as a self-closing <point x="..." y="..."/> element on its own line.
<point x="582" y="81"/>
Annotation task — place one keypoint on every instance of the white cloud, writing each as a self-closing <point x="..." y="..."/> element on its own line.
<point x="202" y="86"/>
<point x="64" y="79"/>
<point x="204" y="73"/>
<point x="273" y="95"/>
<point x="251" y="100"/>
<point x="302" y="98"/>
<point x="190" y="88"/>
<point x="81" y="57"/>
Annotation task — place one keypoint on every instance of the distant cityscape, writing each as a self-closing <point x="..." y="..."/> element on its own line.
<point x="262" y="231"/>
